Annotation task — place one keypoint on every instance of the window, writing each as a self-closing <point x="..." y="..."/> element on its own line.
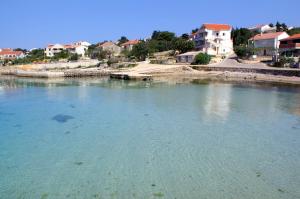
<point x="224" y="34"/>
<point x="217" y="34"/>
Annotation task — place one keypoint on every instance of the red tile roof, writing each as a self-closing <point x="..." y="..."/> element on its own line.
<point x="106" y="44"/>
<point x="296" y="36"/>
<point x="266" y="36"/>
<point x="11" y="52"/>
<point x="217" y="27"/>
<point x="131" y="42"/>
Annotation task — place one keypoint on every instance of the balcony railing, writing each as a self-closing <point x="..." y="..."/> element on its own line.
<point x="295" y="45"/>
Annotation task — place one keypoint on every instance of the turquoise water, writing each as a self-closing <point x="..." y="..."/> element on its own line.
<point x="99" y="138"/>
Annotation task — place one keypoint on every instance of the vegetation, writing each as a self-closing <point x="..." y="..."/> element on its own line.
<point x="281" y="27"/>
<point x="284" y="62"/>
<point x="183" y="45"/>
<point x="96" y="53"/>
<point x="64" y="54"/>
<point x="244" y="51"/>
<point x="36" y="55"/>
<point x="123" y="40"/>
<point x="140" y="51"/>
<point x="294" y="31"/>
<point x="195" y="30"/>
<point x="241" y="36"/>
<point x="74" y="57"/>
<point x="161" y="41"/>
<point x="202" y="59"/>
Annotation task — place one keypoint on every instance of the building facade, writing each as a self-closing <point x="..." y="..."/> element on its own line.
<point x="129" y="45"/>
<point x="267" y="44"/>
<point x="214" y="39"/>
<point x="9" y="54"/>
<point x="290" y="46"/>
<point x="111" y="47"/>
<point x="188" y="57"/>
<point x="78" y="48"/>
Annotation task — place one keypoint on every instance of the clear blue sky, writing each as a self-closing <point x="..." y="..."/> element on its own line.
<point x="35" y="23"/>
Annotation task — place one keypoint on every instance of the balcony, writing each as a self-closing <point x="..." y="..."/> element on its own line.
<point x="290" y="46"/>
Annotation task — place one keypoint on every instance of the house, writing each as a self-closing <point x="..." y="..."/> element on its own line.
<point x="111" y="47"/>
<point x="262" y="28"/>
<point x="129" y="45"/>
<point x="290" y="46"/>
<point x="187" y="57"/>
<point x="9" y="54"/>
<point x="267" y="44"/>
<point x="214" y="39"/>
<point x="51" y="49"/>
<point x="78" y="48"/>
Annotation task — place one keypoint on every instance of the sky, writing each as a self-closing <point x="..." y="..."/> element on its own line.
<point x="36" y="23"/>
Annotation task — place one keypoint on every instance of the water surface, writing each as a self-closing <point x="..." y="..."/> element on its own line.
<point x="99" y="138"/>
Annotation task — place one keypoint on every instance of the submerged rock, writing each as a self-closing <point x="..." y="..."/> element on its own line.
<point x="62" y="118"/>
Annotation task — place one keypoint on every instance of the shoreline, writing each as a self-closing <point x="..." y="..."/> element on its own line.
<point x="146" y="72"/>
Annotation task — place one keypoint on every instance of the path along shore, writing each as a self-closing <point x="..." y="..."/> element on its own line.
<point x="228" y="70"/>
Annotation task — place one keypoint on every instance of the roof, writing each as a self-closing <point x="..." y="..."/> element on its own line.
<point x="190" y="53"/>
<point x="296" y="36"/>
<point x="217" y="27"/>
<point x="6" y="52"/>
<point x="106" y="44"/>
<point x="6" y="49"/>
<point x="272" y="35"/>
<point x="131" y="42"/>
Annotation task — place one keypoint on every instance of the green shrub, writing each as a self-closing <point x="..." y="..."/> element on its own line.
<point x="74" y="57"/>
<point x="243" y="51"/>
<point x="283" y="62"/>
<point x="202" y="59"/>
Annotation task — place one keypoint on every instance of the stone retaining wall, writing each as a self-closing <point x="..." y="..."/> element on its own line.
<point x="282" y="72"/>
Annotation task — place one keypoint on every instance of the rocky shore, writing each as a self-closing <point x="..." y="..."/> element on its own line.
<point x="145" y="72"/>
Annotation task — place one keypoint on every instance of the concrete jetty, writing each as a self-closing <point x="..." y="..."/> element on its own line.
<point x="131" y="76"/>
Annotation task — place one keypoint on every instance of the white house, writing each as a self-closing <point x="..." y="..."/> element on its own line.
<point x="214" y="39"/>
<point x="268" y="43"/>
<point x="53" y="49"/>
<point x="77" y="48"/>
<point x="262" y="28"/>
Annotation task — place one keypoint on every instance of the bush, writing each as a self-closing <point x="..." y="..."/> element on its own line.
<point x="284" y="62"/>
<point x="202" y="59"/>
<point x="74" y="57"/>
<point x="244" y="52"/>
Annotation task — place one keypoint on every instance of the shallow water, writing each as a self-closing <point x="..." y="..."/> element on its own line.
<point x="98" y="138"/>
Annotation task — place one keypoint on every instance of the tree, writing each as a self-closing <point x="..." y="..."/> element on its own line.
<point x="271" y="25"/>
<point x="183" y="45"/>
<point x="64" y="54"/>
<point x="241" y="36"/>
<point x="185" y="36"/>
<point x="195" y="30"/>
<point x="163" y="35"/>
<point x="123" y="40"/>
<point x="140" y="51"/>
<point x="20" y="49"/>
<point x="244" y="51"/>
<point x="294" y="31"/>
<point x="281" y="27"/>
<point x="74" y="57"/>
<point x="202" y="59"/>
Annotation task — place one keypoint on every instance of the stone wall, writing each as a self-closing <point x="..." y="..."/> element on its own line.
<point x="275" y="71"/>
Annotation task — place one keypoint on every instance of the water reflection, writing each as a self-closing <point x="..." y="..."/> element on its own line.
<point x="217" y="102"/>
